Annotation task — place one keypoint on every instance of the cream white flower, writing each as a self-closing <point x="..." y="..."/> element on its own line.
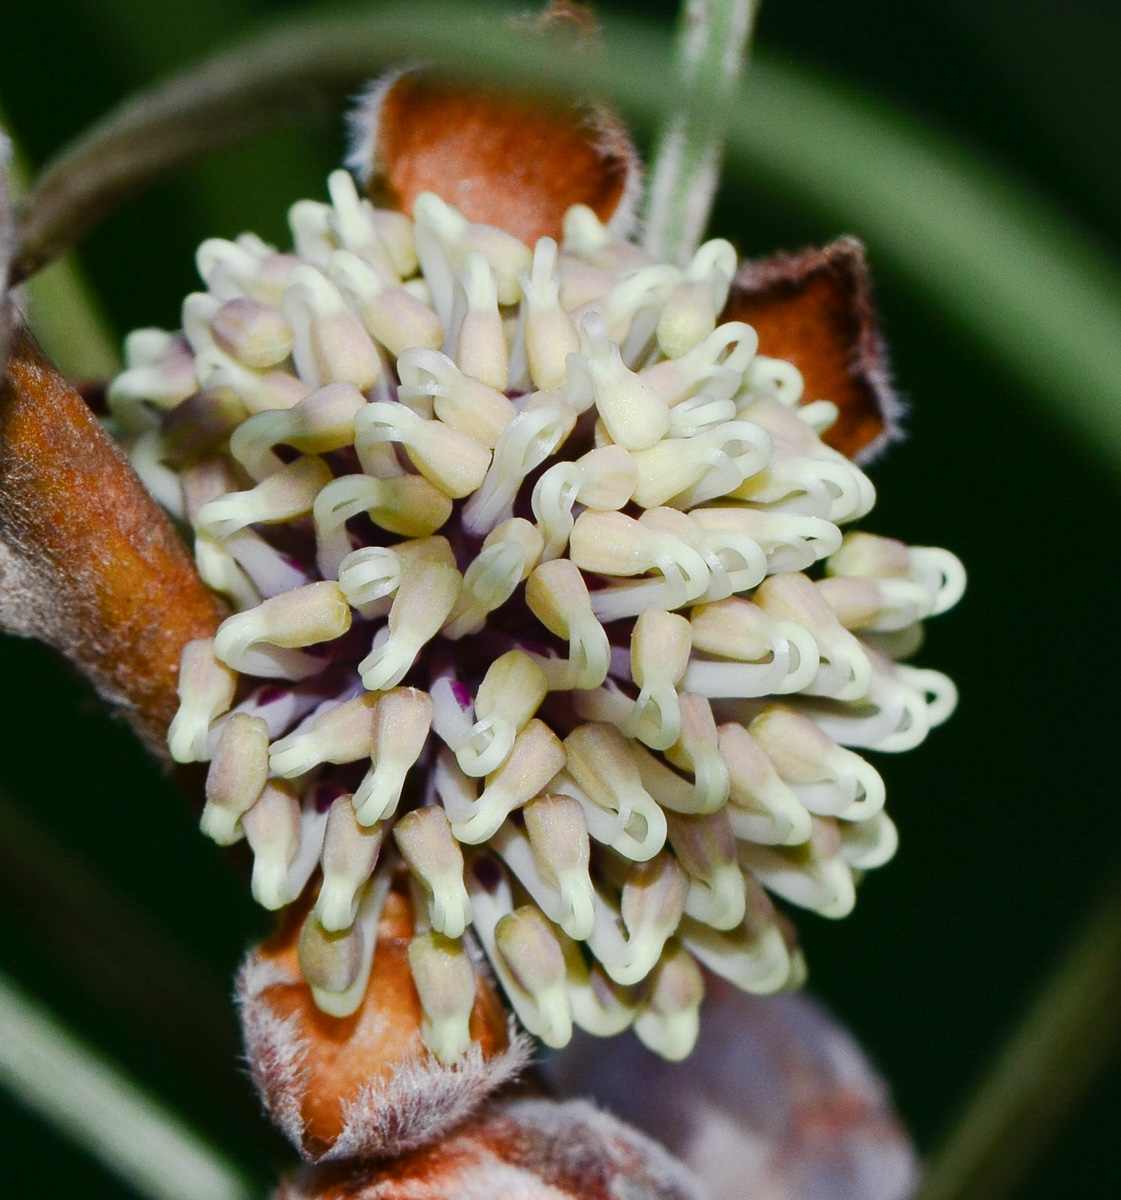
<point x="541" y="593"/>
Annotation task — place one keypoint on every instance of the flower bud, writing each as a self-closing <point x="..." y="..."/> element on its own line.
<point x="253" y="333"/>
<point x="355" y="225"/>
<point x="445" y="983"/>
<point x="635" y="415"/>
<point x="762" y="808"/>
<point x="611" y="543"/>
<point x="604" y="478"/>
<point x="272" y="827"/>
<point x="402" y="719"/>
<point x="330" y="343"/>
<point x="706" y="847"/>
<point x="319" y="423"/>
<point x="331" y="961"/>
<point x="425" y="598"/>
<point x="724" y="354"/>
<point x="508" y="555"/>
<point x="425" y="839"/>
<point x="660" y="646"/>
<point x="511" y="692"/>
<point x="670" y="1023"/>
<point x="349" y="856"/>
<point x="432" y="384"/>
<point x="697" y="751"/>
<point x="247" y="268"/>
<point x="532" y="956"/>
<point x="552" y="863"/>
<point x="451" y="461"/>
<point x="550" y="335"/>
<point x="754" y="956"/>
<point x="845" y="672"/>
<point x="769" y="655"/>
<point x="287" y="493"/>
<point x="445" y="239"/>
<point x="337" y="733"/>
<point x="391" y="315"/>
<point x="406" y="504"/>
<point x="813" y="875"/>
<point x="160" y="371"/>
<point x="237" y="776"/>
<point x="689" y="315"/>
<point x="709" y="464"/>
<point x="206" y="691"/>
<point x="599" y="760"/>
<point x="651" y="906"/>
<point x="262" y="640"/>
<point x="523" y="445"/>
<point x="827" y="778"/>
<point x="481" y="345"/>
<point x="201" y="423"/>
<point x="558" y="597"/>
<point x="790" y="541"/>
<point x="536" y="757"/>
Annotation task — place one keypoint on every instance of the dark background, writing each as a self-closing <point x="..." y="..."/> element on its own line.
<point x="1009" y="815"/>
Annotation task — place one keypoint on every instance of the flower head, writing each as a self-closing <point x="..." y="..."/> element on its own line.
<point x="541" y="596"/>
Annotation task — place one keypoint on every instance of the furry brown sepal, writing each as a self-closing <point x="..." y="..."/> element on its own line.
<point x="502" y="159"/>
<point x="522" y="1150"/>
<point x="365" y="1086"/>
<point x="815" y="309"/>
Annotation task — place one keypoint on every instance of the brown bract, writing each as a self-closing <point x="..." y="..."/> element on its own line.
<point x="814" y="309"/>
<point x="88" y="562"/>
<point x="501" y="159"/>
<point x="364" y="1086"/>
<point x="523" y="1150"/>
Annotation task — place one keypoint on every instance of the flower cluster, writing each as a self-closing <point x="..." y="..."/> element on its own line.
<point x="522" y="548"/>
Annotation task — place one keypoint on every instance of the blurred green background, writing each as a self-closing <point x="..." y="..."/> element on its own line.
<point x="1009" y="815"/>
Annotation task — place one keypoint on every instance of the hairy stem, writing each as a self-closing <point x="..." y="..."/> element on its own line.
<point x="713" y="39"/>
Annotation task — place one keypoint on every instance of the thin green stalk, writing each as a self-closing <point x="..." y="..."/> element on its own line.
<point x="60" y="306"/>
<point x="69" y="324"/>
<point x="1065" y="1039"/>
<point x="710" y="49"/>
<point x="51" y="1072"/>
<point x="118" y="958"/>
<point x="7" y="247"/>
<point x="982" y="248"/>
